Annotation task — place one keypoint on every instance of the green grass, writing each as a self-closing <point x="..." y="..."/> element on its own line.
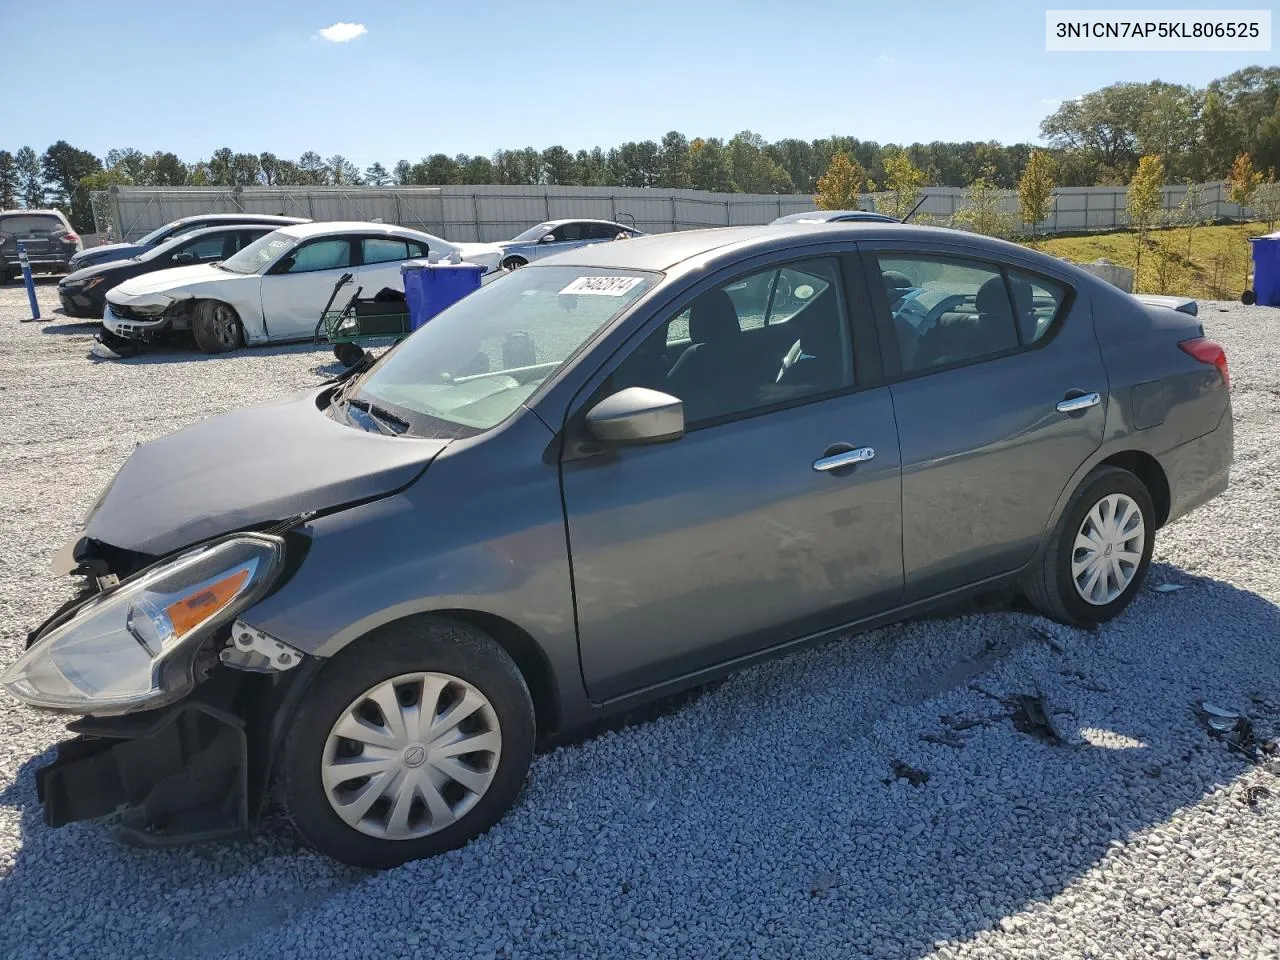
<point x="1214" y="270"/>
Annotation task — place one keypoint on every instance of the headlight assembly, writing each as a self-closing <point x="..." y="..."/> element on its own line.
<point x="134" y="648"/>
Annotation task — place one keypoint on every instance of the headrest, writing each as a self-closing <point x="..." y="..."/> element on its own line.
<point x="713" y="318"/>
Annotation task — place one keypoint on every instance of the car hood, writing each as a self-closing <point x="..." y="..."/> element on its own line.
<point x="108" y="251"/>
<point x="247" y="468"/>
<point x="172" y="279"/>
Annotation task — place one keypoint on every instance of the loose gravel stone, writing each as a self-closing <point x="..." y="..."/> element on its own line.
<point x="762" y="819"/>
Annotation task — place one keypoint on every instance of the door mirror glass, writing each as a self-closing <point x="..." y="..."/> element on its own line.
<point x="637" y="415"/>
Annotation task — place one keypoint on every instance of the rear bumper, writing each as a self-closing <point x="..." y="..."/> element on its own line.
<point x="1200" y="469"/>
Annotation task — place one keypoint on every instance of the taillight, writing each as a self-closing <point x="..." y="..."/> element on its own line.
<point x="1206" y="351"/>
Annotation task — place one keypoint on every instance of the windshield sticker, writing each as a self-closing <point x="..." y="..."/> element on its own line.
<point x="601" y="286"/>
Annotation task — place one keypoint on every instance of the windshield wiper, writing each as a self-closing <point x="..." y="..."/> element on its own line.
<point x="380" y="416"/>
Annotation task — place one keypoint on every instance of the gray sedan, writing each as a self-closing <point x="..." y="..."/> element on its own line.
<point x="595" y="482"/>
<point x="558" y="236"/>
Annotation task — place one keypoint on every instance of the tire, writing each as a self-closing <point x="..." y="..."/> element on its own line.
<point x="348" y="354"/>
<point x="455" y="661"/>
<point x="1249" y="298"/>
<point x="216" y="328"/>
<point x="514" y="263"/>
<point x="6" y="277"/>
<point x="1052" y="586"/>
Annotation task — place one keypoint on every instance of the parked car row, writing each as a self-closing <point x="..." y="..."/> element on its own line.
<point x="533" y="512"/>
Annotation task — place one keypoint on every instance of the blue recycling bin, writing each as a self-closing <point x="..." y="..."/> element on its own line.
<point x="430" y="287"/>
<point x="1266" y="269"/>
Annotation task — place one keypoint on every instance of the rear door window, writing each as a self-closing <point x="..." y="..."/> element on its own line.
<point x="384" y="249"/>
<point x="947" y="310"/>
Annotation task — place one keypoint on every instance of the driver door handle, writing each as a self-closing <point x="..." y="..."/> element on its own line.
<point x="846" y="458"/>
<point x="1078" y="403"/>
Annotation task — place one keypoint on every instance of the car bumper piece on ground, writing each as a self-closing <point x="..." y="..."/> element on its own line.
<point x="177" y="775"/>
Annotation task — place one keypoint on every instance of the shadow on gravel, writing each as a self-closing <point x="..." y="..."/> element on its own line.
<point x="871" y="797"/>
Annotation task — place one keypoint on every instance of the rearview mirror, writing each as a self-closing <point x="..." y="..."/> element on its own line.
<point x="637" y="415"/>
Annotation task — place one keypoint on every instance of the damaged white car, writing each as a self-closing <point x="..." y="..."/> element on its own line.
<point x="275" y="288"/>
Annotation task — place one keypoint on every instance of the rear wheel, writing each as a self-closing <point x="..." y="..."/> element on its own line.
<point x="409" y="744"/>
<point x="216" y="328"/>
<point x="1098" y="555"/>
<point x="1249" y="298"/>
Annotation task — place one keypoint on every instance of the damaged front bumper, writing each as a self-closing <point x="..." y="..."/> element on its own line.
<point x="129" y="325"/>
<point x="175" y="775"/>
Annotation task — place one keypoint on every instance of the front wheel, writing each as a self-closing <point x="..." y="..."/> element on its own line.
<point x="514" y="263"/>
<point x="1097" y="558"/>
<point x="410" y="743"/>
<point x="216" y="328"/>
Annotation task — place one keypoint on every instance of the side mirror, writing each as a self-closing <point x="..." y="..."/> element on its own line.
<point x="547" y="238"/>
<point x="636" y="415"/>
<point x="185" y="258"/>
<point x="285" y="265"/>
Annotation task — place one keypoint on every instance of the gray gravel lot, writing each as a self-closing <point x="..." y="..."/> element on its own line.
<point x="772" y="816"/>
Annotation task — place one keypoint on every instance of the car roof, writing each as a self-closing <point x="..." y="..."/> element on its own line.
<point x="219" y="228"/>
<point x="556" y="223"/>
<point x="303" y="231"/>
<point x="828" y="215"/>
<point x="669" y="251"/>
<point x="244" y="218"/>
<point x="17" y="211"/>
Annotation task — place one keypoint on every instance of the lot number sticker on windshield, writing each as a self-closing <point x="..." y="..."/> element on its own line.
<point x="601" y="286"/>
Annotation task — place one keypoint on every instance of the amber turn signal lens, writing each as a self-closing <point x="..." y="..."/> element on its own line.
<point x="189" y="612"/>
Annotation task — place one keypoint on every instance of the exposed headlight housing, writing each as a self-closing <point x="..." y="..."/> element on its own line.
<point x="134" y="648"/>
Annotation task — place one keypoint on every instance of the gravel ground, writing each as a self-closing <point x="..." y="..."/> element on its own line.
<point x="870" y="798"/>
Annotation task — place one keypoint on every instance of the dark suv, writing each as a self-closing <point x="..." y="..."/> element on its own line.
<point x="47" y="235"/>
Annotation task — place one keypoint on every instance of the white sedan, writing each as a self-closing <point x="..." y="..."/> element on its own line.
<point x="275" y="288"/>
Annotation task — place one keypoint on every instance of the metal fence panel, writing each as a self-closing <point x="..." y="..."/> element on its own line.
<point x="491" y="212"/>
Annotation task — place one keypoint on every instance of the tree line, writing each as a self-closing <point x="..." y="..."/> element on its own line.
<point x="1099" y="138"/>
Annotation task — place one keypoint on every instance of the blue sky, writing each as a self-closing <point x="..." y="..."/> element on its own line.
<point x="429" y="77"/>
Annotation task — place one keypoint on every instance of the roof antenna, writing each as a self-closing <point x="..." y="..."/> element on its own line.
<point x="919" y="204"/>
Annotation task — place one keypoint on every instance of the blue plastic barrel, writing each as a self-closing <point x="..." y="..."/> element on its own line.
<point x="1266" y="269"/>
<point x="430" y="287"/>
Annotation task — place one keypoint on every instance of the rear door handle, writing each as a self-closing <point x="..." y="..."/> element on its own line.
<point x="1076" y="404"/>
<point x="846" y="458"/>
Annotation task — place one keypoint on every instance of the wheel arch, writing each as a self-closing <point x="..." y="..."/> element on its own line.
<point x="1147" y="469"/>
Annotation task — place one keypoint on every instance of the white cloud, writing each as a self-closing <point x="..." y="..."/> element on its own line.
<point x="342" y="32"/>
<point x="885" y="58"/>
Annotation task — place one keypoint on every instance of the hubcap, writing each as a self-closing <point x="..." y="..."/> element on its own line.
<point x="411" y="755"/>
<point x="1108" y="549"/>
<point x="224" y="326"/>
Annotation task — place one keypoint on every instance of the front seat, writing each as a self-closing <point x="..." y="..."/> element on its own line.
<point x="708" y="373"/>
